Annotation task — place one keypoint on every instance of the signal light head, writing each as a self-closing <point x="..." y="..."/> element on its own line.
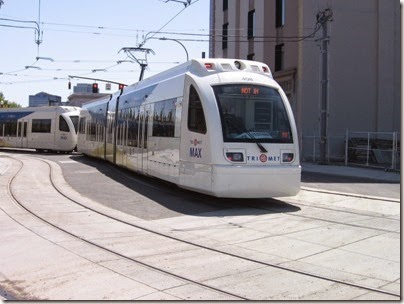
<point x="95" y="87"/>
<point x="121" y="86"/>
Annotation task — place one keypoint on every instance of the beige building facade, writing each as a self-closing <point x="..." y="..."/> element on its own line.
<point x="362" y="81"/>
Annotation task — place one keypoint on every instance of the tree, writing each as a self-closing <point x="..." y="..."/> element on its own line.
<point x="4" y="103"/>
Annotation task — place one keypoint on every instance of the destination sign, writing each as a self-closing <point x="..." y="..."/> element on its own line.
<point x="249" y="90"/>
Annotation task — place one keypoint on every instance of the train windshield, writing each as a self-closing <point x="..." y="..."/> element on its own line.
<point x="252" y="113"/>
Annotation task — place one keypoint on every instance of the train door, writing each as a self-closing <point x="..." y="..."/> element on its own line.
<point x="22" y="134"/>
<point x="143" y="138"/>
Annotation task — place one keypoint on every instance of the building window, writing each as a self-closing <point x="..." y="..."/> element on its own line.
<point x="279" y="57"/>
<point x="280" y="13"/>
<point x="225" y="35"/>
<point x="251" y="56"/>
<point x="251" y="24"/>
<point x="225" y="5"/>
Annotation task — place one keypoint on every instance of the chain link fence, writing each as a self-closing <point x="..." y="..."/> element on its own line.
<point x="370" y="149"/>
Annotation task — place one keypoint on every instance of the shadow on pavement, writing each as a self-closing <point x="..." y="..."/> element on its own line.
<point x="164" y="199"/>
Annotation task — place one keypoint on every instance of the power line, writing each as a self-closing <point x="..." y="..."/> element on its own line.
<point x="167" y="23"/>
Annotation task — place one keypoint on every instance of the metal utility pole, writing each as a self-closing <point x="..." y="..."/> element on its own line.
<point x="323" y="18"/>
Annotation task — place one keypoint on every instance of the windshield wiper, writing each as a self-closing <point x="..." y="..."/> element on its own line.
<point x="262" y="148"/>
<point x="234" y="123"/>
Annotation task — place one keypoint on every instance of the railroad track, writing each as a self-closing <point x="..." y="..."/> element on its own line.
<point x="169" y="236"/>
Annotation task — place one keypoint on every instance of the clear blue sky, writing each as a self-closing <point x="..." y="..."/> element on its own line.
<point x="86" y="35"/>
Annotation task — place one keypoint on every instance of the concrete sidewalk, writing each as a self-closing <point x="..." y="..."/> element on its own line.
<point x="359" y="172"/>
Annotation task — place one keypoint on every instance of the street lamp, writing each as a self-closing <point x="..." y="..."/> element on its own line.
<point x="165" y="38"/>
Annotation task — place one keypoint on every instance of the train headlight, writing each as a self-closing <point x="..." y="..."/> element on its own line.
<point x="288" y="157"/>
<point x="235" y="157"/>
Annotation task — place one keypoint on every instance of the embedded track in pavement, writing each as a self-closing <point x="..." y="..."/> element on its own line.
<point x="160" y="233"/>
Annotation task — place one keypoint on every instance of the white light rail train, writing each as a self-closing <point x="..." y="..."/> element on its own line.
<point x="52" y="129"/>
<point x="216" y="126"/>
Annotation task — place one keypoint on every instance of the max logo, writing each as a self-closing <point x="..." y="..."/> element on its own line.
<point x="195" y="152"/>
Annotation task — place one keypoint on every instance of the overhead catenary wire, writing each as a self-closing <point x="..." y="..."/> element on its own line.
<point x="185" y="36"/>
<point x="154" y="33"/>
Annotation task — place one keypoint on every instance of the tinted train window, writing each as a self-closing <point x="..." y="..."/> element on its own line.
<point x="164" y="118"/>
<point x="82" y="128"/>
<point x="196" y="117"/>
<point x="10" y="128"/>
<point x="63" y="126"/>
<point x="133" y="125"/>
<point x="41" y="125"/>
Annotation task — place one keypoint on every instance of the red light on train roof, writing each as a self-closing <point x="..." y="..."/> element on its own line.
<point x="265" y="69"/>
<point x="209" y="66"/>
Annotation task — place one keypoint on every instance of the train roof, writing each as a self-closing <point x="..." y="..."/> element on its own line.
<point x="43" y="109"/>
<point x="206" y="67"/>
<point x="196" y="67"/>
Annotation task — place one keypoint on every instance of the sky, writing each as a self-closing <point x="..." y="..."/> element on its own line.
<point x="84" y="38"/>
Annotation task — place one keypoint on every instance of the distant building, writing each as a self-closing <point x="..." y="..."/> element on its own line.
<point x="83" y="93"/>
<point x="83" y="88"/>
<point x="77" y="100"/>
<point x="364" y="59"/>
<point x="44" y="99"/>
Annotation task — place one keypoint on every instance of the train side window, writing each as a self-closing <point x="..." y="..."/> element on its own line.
<point x="196" y="117"/>
<point x="133" y="127"/>
<point x="25" y="129"/>
<point x="19" y="129"/>
<point x="82" y="125"/>
<point x="10" y="128"/>
<point x="164" y="118"/>
<point x="75" y="121"/>
<point x="41" y="125"/>
<point x="63" y="126"/>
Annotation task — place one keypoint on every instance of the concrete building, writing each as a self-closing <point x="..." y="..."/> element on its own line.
<point x="44" y="99"/>
<point x="83" y="93"/>
<point x="83" y="88"/>
<point x="358" y="85"/>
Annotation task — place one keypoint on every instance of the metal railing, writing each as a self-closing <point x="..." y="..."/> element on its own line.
<point x="310" y="148"/>
<point x="371" y="149"/>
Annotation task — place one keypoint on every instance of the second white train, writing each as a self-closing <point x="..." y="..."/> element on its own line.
<point x="221" y="127"/>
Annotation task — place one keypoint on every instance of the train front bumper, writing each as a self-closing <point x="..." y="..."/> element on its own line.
<point x="255" y="182"/>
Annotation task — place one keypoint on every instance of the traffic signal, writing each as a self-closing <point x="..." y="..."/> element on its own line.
<point x="121" y="86"/>
<point x="95" y="87"/>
